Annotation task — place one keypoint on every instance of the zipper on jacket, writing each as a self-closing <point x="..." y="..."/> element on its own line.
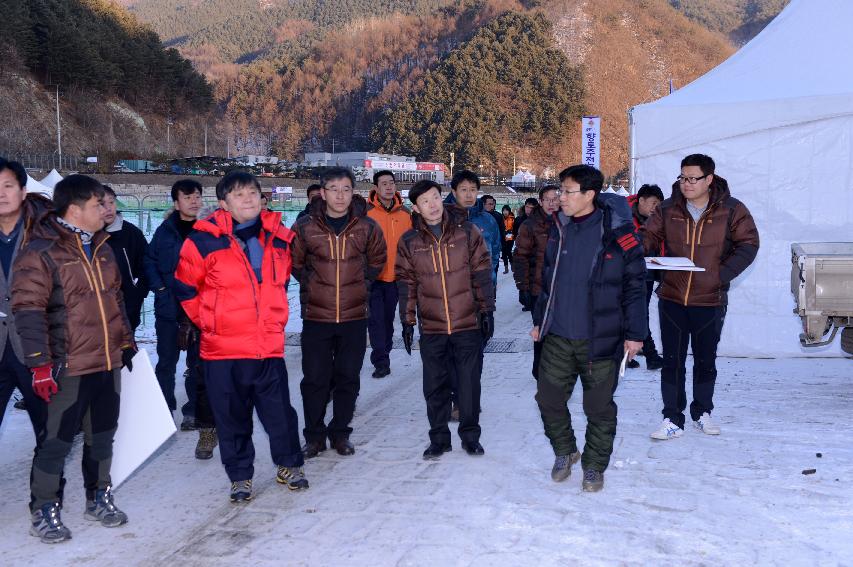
<point x="443" y="281"/>
<point x="129" y="267"/>
<point x="337" y="257"/>
<point x="696" y="227"/>
<point x="553" y="279"/>
<point x="337" y="283"/>
<point x="251" y="274"/>
<point x="91" y="270"/>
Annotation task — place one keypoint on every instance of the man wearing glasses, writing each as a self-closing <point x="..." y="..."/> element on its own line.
<point x="590" y="314"/>
<point x="337" y="253"/>
<point x="530" y="255"/>
<point x="703" y="222"/>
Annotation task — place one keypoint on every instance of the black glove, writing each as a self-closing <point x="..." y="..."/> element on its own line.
<point x="487" y="325"/>
<point x="408" y="337"/>
<point x="127" y="357"/>
<point x="525" y="299"/>
<point x="187" y="334"/>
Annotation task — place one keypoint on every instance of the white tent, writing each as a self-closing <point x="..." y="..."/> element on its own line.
<point x="777" y="117"/>
<point x="51" y="179"/>
<point x="34" y="186"/>
<point x="523" y="177"/>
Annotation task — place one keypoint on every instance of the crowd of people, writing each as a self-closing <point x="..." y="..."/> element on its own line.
<point x="71" y="305"/>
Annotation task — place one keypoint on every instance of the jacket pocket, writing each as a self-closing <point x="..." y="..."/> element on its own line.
<point x="280" y="267"/>
<point x="164" y="305"/>
<point x="208" y="314"/>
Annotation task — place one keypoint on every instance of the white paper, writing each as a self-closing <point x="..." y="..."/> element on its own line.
<point x="672" y="263"/>
<point x="622" y="366"/>
<point x="144" y="421"/>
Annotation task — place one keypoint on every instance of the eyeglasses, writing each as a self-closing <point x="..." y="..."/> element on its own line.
<point x="561" y="192"/>
<point x="690" y="180"/>
<point x="342" y="190"/>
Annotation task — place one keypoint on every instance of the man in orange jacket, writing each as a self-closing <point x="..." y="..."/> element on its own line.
<point x="387" y="209"/>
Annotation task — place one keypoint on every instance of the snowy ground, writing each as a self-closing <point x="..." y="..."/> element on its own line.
<point x="740" y="498"/>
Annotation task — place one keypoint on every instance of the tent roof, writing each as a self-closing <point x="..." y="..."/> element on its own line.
<point x="51" y="179"/>
<point x="794" y="71"/>
<point x="34" y="186"/>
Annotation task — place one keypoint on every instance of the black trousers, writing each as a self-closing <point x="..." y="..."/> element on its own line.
<point x="91" y="400"/>
<point x="454" y="376"/>
<point x="649" y="347"/>
<point x="700" y="327"/>
<point x="463" y="352"/>
<point x="506" y="252"/>
<point x="13" y="375"/>
<point x="203" y="411"/>
<point x="332" y="357"/>
<point x="380" y="325"/>
<point x="167" y="361"/>
<point x="235" y="388"/>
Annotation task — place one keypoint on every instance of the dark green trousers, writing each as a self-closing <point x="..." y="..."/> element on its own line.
<point x="562" y="361"/>
<point x="92" y="401"/>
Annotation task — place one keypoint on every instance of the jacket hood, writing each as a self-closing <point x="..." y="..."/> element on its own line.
<point x="35" y="210"/>
<point x="615" y="207"/>
<point x="358" y="207"/>
<point x="221" y="223"/>
<point x="617" y="212"/>
<point x="473" y="210"/>
<point x="451" y="215"/>
<point x="48" y="228"/>
<point x="373" y="201"/>
<point x="538" y="215"/>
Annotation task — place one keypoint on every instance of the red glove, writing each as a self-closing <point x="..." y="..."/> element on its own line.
<point x="43" y="383"/>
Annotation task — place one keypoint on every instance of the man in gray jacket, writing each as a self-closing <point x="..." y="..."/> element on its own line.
<point x="18" y="211"/>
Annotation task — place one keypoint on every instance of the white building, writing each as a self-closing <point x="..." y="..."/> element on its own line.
<point x="364" y="164"/>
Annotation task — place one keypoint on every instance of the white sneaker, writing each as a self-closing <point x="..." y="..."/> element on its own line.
<point x="706" y="425"/>
<point x="667" y="430"/>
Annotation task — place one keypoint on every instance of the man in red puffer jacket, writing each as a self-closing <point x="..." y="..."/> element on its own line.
<point x="231" y="283"/>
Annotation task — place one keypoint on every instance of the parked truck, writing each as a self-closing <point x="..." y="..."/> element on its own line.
<point x="822" y="284"/>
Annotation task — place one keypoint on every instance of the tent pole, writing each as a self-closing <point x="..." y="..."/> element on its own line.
<point x="632" y="183"/>
<point x="58" y="130"/>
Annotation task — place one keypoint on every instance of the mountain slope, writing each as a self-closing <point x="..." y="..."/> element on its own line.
<point x="245" y="30"/>
<point x="96" y="45"/>
<point x="506" y="88"/>
<point x="739" y="20"/>
<point x="117" y="83"/>
<point x="629" y="50"/>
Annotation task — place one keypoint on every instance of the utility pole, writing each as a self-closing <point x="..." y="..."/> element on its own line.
<point x="333" y="146"/>
<point x="168" y="137"/>
<point x="205" y="138"/>
<point x="58" y="129"/>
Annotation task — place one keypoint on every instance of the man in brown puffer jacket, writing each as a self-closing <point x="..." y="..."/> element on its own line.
<point x="338" y="251"/>
<point x="66" y="297"/>
<point x="529" y="257"/>
<point x="703" y="222"/>
<point x="444" y="275"/>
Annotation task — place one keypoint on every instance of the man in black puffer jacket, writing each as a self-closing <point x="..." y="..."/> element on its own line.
<point x="590" y="313"/>
<point x="129" y="247"/>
